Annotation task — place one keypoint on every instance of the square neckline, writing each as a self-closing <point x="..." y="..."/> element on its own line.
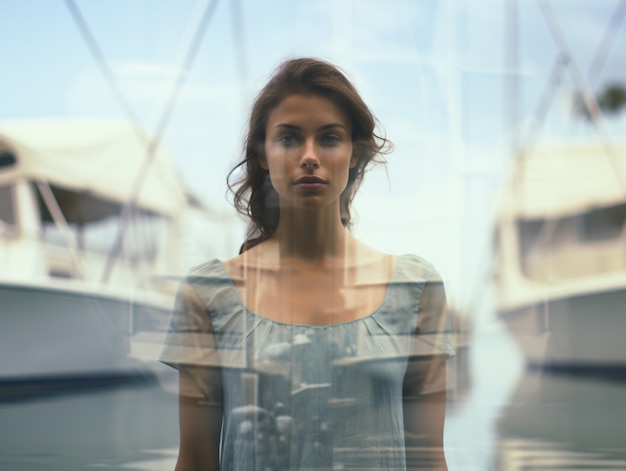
<point x="261" y="317"/>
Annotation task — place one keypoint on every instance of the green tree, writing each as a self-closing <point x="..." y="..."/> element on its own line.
<point x="611" y="99"/>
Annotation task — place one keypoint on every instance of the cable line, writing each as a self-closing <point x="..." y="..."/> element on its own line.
<point x="155" y="140"/>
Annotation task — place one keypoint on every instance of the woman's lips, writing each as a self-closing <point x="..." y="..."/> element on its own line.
<point x="309" y="183"/>
<point x="310" y="186"/>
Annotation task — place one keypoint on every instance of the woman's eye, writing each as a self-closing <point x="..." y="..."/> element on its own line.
<point x="330" y="139"/>
<point x="287" y="139"/>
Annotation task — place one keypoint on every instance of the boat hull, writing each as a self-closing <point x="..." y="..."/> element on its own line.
<point x="56" y="333"/>
<point x="579" y="331"/>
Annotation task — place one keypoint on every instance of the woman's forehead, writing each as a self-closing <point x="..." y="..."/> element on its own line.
<point x="307" y="110"/>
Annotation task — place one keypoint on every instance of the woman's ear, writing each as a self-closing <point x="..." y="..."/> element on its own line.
<point x="355" y="156"/>
<point x="259" y="148"/>
<point x="262" y="158"/>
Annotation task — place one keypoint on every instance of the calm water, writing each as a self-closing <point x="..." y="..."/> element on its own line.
<point x="515" y="419"/>
<point x="130" y="427"/>
<point x="509" y="420"/>
<point x="569" y="422"/>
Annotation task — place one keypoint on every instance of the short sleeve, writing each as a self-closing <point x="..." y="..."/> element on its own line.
<point x="190" y="339"/>
<point x="190" y="344"/>
<point x="432" y="342"/>
<point x="433" y="334"/>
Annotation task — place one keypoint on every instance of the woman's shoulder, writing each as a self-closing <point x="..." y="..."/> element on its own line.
<point x="210" y="273"/>
<point x="365" y="259"/>
<point x="413" y="267"/>
<point x="419" y="261"/>
<point x="206" y="268"/>
<point x="401" y="269"/>
<point x="237" y="267"/>
<point x="233" y="268"/>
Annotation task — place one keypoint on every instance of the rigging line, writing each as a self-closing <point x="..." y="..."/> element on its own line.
<point x="186" y="66"/>
<point x="240" y="44"/>
<point x="588" y="98"/>
<point x="512" y="86"/>
<point x="599" y="58"/>
<point x="541" y="112"/>
<point x="101" y="61"/>
<point x="155" y="141"/>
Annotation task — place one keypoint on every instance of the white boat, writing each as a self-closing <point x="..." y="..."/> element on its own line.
<point x="69" y="301"/>
<point x="561" y="256"/>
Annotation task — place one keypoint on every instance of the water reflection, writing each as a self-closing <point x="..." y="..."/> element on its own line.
<point x="123" y="427"/>
<point x="512" y="420"/>
<point x="558" y="420"/>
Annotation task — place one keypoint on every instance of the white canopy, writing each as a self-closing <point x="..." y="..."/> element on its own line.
<point x="568" y="178"/>
<point x="98" y="157"/>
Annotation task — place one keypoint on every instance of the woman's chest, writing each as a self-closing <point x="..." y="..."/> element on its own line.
<point x="314" y="298"/>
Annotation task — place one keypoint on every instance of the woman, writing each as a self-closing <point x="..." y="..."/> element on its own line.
<point x="310" y="350"/>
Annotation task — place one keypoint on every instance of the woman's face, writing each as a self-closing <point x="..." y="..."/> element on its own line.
<point x="308" y="151"/>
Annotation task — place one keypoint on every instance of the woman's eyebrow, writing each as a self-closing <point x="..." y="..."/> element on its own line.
<point x="332" y="125"/>
<point x="321" y="128"/>
<point x="288" y="126"/>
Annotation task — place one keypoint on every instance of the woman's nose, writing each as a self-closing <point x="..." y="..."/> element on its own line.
<point x="309" y="157"/>
<point x="309" y="163"/>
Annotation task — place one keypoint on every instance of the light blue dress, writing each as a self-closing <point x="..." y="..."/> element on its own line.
<point x="303" y="397"/>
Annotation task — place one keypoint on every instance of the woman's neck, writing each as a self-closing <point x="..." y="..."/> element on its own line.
<point x="311" y="236"/>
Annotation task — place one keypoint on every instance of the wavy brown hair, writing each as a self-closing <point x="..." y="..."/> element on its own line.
<point x="253" y="194"/>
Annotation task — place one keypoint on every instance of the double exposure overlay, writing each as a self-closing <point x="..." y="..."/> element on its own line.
<point x="336" y="234"/>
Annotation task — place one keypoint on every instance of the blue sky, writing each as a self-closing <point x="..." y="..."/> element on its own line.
<point x="433" y="71"/>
